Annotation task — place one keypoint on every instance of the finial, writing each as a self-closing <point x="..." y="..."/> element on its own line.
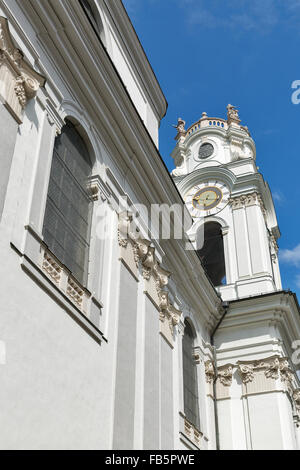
<point x="232" y="114"/>
<point x="204" y="115"/>
<point x="180" y="126"/>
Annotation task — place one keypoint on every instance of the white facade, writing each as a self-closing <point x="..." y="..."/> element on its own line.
<point x="99" y="365"/>
<point x="254" y="338"/>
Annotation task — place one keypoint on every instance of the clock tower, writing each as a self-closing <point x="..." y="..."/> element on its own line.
<point x="234" y="227"/>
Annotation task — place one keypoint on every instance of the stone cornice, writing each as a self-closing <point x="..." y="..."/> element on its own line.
<point x="270" y="374"/>
<point x="19" y="83"/>
<point x="138" y="56"/>
<point x="279" y="307"/>
<point x="97" y="188"/>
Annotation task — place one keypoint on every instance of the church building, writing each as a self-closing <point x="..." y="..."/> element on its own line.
<point x="111" y="335"/>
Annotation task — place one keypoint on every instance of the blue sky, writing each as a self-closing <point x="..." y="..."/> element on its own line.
<point x="208" y="53"/>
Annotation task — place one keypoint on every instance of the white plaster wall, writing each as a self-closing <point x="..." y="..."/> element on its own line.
<point x="56" y="388"/>
<point x="266" y="427"/>
<point x="61" y="388"/>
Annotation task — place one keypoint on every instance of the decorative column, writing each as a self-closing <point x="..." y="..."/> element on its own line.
<point x="252" y="247"/>
<point x="161" y="316"/>
<point x="139" y="254"/>
<point x="267" y="387"/>
<point x="296" y="397"/>
<point x="19" y="83"/>
<point x="225" y="231"/>
<point x="241" y="236"/>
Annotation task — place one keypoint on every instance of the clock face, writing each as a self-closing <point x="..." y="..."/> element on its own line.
<point x="207" y="198"/>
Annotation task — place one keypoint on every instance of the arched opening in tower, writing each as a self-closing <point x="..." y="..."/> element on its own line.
<point x="212" y="253"/>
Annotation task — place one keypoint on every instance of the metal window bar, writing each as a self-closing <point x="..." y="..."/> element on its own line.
<point x="67" y="221"/>
<point x="190" y="383"/>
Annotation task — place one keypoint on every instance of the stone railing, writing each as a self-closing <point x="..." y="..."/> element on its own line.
<point x="207" y="122"/>
<point x="60" y="277"/>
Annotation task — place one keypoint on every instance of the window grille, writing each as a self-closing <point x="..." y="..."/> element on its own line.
<point x="190" y="384"/>
<point x="67" y="219"/>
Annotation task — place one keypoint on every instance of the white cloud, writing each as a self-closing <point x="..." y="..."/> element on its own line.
<point x="278" y="196"/>
<point x="291" y="256"/>
<point x="260" y="16"/>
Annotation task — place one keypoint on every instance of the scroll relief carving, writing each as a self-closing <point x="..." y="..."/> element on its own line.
<point x="247" y="372"/>
<point x="274" y="243"/>
<point x="145" y="257"/>
<point x="246" y="200"/>
<point x="209" y="372"/>
<point x="19" y="83"/>
<point x="225" y="374"/>
<point x="296" y="397"/>
<point x="239" y="148"/>
<point x="60" y="276"/>
<point x="273" y="367"/>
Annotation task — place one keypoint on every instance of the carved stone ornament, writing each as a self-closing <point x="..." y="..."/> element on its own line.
<point x="274" y="367"/>
<point x="274" y="243"/>
<point x="225" y="375"/>
<point x="19" y="83"/>
<point x="247" y="372"/>
<point x="232" y="114"/>
<point x="296" y="397"/>
<point x="125" y="219"/>
<point x="97" y="189"/>
<point x="246" y="200"/>
<point x="236" y="148"/>
<point x="148" y="263"/>
<point x="167" y="311"/>
<point x="209" y="371"/>
<point x="60" y="276"/>
<point x="197" y="355"/>
<point x="286" y="374"/>
<point x="162" y="276"/>
<point x="145" y="255"/>
<point x="180" y="126"/>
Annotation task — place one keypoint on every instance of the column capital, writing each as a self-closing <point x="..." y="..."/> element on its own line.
<point x="19" y="82"/>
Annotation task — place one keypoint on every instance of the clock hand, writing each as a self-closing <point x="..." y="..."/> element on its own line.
<point x="206" y="199"/>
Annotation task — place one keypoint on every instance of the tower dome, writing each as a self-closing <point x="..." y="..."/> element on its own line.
<point x="211" y="142"/>
<point x="234" y="222"/>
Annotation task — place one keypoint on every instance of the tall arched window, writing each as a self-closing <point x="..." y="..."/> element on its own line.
<point x="190" y="384"/>
<point x="212" y="253"/>
<point x="67" y="219"/>
<point x="94" y="17"/>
